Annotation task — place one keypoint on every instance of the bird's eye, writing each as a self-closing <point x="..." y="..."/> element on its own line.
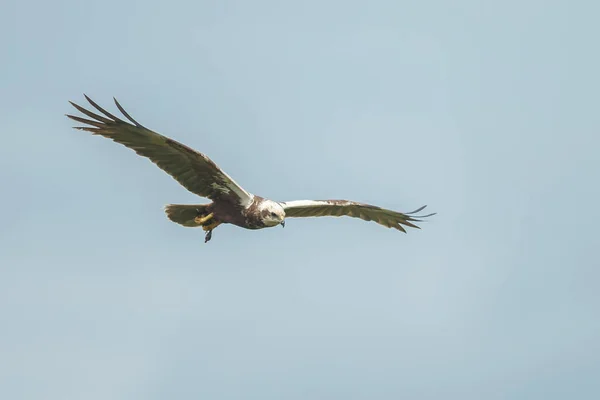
<point x="273" y="214"/>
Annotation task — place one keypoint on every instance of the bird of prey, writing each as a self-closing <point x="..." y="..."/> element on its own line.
<point x="231" y="204"/>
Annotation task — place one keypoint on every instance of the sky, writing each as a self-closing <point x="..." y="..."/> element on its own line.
<point x="487" y="111"/>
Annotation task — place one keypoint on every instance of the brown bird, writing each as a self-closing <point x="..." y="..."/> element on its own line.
<point x="231" y="204"/>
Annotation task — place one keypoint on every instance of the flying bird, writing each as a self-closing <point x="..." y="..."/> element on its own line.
<point x="231" y="203"/>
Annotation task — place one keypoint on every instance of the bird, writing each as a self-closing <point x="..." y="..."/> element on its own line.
<point x="230" y="202"/>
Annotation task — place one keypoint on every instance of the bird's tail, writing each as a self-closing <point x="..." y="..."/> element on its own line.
<point x="185" y="214"/>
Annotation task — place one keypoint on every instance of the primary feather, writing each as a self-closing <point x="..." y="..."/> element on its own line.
<point x="193" y="170"/>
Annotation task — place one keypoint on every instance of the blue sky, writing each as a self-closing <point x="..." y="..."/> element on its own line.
<point x="485" y="110"/>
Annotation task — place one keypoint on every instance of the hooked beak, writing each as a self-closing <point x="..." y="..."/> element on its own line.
<point x="283" y="224"/>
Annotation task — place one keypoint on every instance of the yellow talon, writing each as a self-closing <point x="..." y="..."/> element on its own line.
<point x="210" y="227"/>
<point x="201" y="220"/>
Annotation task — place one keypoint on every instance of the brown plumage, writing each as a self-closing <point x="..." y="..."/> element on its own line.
<point x="338" y="208"/>
<point x="230" y="202"/>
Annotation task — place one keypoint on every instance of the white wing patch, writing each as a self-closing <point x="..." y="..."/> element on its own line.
<point x="304" y="203"/>
<point x="246" y="198"/>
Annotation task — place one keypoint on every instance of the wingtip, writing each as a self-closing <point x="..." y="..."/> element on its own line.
<point x="126" y="114"/>
<point x="398" y="227"/>
<point x="71" y="117"/>
<point x="412" y="216"/>
<point x="89" y="100"/>
<point x="117" y="103"/>
<point x="428" y="215"/>
<point x="417" y="210"/>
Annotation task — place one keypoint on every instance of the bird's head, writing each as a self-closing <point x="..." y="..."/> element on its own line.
<point x="272" y="213"/>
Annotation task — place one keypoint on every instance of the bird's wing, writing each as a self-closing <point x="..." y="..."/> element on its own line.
<point x="195" y="171"/>
<point x="337" y="208"/>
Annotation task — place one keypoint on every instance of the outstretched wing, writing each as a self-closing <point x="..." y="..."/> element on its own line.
<point x="337" y="208"/>
<point x="195" y="171"/>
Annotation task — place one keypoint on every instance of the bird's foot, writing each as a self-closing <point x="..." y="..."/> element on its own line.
<point x="209" y="228"/>
<point x="200" y="220"/>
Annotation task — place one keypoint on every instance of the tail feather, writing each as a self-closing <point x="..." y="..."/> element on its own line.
<point x="184" y="214"/>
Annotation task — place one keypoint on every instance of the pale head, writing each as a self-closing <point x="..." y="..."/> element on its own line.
<point x="272" y="213"/>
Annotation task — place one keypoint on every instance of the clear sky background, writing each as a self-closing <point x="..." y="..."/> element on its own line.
<point x="487" y="111"/>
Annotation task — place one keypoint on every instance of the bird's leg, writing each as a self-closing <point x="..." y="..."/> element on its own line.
<point x="209" y="228"/>
<point x="201" y="220"/>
